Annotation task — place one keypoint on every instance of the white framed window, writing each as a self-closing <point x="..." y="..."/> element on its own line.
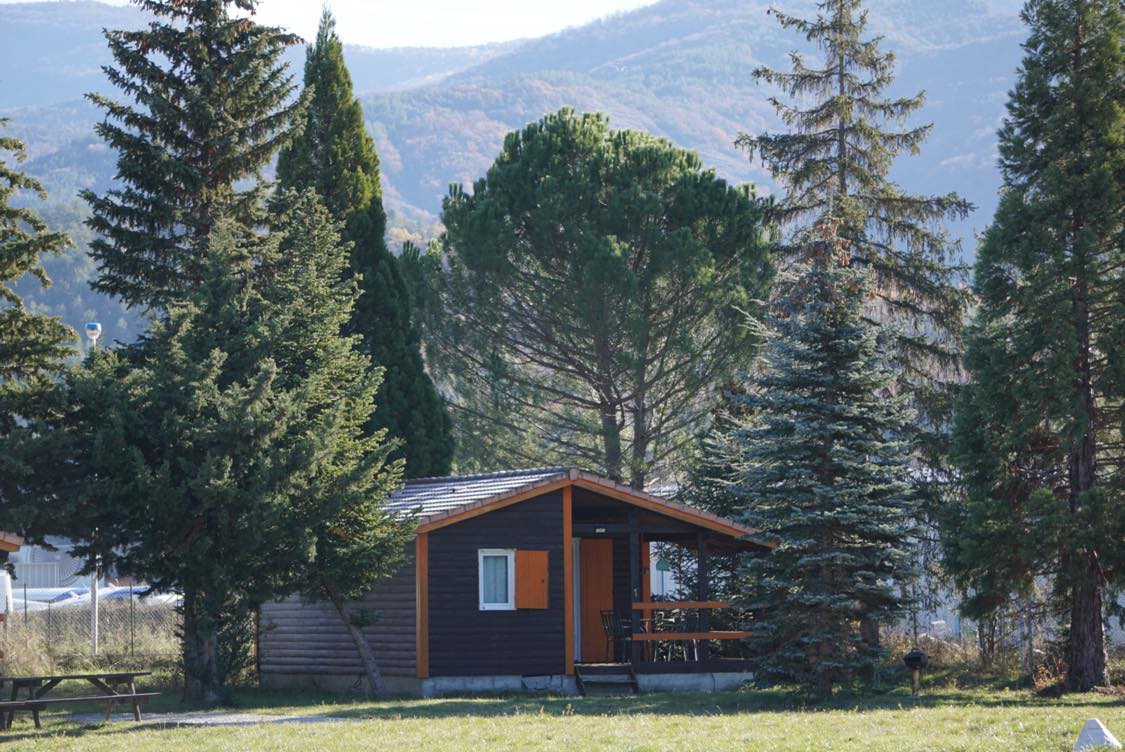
<point x="497" y="574"/>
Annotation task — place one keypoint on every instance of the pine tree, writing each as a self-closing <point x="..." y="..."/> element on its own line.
<point x="822" y="468"/>
<point x="1039" y="428"/>
<point x="227" y="459"/>
<point x="835" y="161"/>
<point x="335" y="155"/>
<point x="587" y="306"/>
<point x="33" y="347"/>
<point x="212" y="105"/>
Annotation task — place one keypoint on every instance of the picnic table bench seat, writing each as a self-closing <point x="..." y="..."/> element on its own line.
<point x="10" y="706"/>
<point x="38" y="686"/>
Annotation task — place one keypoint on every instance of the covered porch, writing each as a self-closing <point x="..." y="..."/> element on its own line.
<point x="618" y="625"/>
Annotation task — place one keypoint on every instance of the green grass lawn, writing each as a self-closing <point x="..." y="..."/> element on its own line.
<point x="750" y="720"/>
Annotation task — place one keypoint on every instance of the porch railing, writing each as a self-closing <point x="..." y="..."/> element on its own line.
<point x="704" y="634"/>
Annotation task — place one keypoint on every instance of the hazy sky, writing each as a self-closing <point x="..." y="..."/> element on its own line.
<point x="436" y="23"/>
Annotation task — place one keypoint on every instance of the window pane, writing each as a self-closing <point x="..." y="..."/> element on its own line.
<point x="495" y="574"/>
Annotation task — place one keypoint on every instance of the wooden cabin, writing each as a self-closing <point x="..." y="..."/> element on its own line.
<point x="523" y="580"/>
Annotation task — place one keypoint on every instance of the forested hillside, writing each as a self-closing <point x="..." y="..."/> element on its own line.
<point x="677" y="68"/>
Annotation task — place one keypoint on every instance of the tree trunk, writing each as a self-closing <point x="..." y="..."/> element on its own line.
<point x="841" y="132"/>
<point x="869" y="631"/>
<point x="638" y="474"/>
<point x="1086" y="654"/>
<point x="202" y="674"/>
<point x="611" y="439"/>
<point x="375" y="684"/>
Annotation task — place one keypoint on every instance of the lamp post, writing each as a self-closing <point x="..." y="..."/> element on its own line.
<point x="916" y="660"/>
<point x="93" y="331"/>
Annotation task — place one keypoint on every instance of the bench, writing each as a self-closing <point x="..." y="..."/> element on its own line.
<point x="8" y="708"/>
<point x="38" y="686"/>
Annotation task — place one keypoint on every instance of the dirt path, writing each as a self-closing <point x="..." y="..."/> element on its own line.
<point x="218" y="718"/>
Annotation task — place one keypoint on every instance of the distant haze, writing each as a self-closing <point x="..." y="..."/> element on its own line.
<point x="682" y="69"/>
<point x="434" y="23"/>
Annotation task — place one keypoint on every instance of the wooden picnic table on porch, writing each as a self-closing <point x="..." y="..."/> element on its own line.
<point x="650" y="631"/>
<point x="105" y="683"/>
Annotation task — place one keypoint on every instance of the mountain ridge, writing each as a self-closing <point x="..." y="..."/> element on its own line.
<point x="681" y="69"/>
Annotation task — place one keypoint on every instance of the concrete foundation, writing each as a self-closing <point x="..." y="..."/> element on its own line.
<point x="705" y="682"/>
<point x="452" y="686"/>
<point x="447" y="686"/>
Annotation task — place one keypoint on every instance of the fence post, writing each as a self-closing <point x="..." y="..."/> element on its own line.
<point x="94" y="610"/>
<point x="132" y="621"/>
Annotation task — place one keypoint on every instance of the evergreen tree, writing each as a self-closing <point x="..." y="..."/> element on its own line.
<point x="588" y="302"/>
<point x="212" y="107"/>
<point x="1039" y="427"/>
<point x="33" y="347"/>
<point x="228" y="460"/>
<point x="335" y="156"/>
<point x="707" y="486"/>
<point x="835" y="161"/>
<point x="821" y="468"/>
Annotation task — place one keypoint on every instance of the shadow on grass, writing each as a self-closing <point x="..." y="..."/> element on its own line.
<point x="741" y="702"/>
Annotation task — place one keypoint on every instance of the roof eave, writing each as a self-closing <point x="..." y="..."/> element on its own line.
<point x="590" y="481"/>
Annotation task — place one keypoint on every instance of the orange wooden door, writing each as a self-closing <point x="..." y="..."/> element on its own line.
<point x="596" y="595"/>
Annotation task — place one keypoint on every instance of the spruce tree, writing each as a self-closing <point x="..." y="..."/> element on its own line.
<point x="227" y="458"/>
<point x="1039" y="427"/>
<point x="211" y="107"/>
<point x="707" y="486"/>
<point x="843" y="138"/>
<point x="33" y="347"/>
<point x="335" y="156"/>
<point x="822" y="468"/>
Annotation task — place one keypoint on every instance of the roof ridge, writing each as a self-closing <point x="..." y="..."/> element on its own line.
<point x="486" y="476"/>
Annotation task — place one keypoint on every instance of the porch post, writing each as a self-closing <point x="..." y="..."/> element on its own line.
<point x="634" y="584"/>
<point x="703" y="592"/>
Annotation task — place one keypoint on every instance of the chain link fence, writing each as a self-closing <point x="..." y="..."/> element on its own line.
<point x="130" y="630"/>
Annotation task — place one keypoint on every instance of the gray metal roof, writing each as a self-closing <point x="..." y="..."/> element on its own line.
<point x="425" y="497"/>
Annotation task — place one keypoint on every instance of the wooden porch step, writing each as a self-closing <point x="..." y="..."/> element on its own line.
<point x="605" y="679"/>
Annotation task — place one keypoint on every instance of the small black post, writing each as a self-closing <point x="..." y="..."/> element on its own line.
<point x="704" y="592"/>
<point x="634" y="585"/>
<point x="132" y="621"/>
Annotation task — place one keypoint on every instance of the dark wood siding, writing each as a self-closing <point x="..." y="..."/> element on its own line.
<point x="299" y="637"/>
<point x="465" y="641"/>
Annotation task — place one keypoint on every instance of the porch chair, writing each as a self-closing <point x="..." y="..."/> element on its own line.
<point x="684" y="622"/>
<point x="617" y="632"/>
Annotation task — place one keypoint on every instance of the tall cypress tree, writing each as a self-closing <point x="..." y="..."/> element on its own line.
<point x="33" y="347"/>
<point x="1039" y="428"/>
<point x="335" y="156"/>
<point x="821" y="467"/>
<point x="835" y="160"/>
<point x="211" y="107"/>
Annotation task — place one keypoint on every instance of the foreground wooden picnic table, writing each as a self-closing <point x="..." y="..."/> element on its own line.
<point x="106" y="682"/>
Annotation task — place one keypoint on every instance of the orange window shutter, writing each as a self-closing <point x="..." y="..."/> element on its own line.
<point x="531" y="579"/>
